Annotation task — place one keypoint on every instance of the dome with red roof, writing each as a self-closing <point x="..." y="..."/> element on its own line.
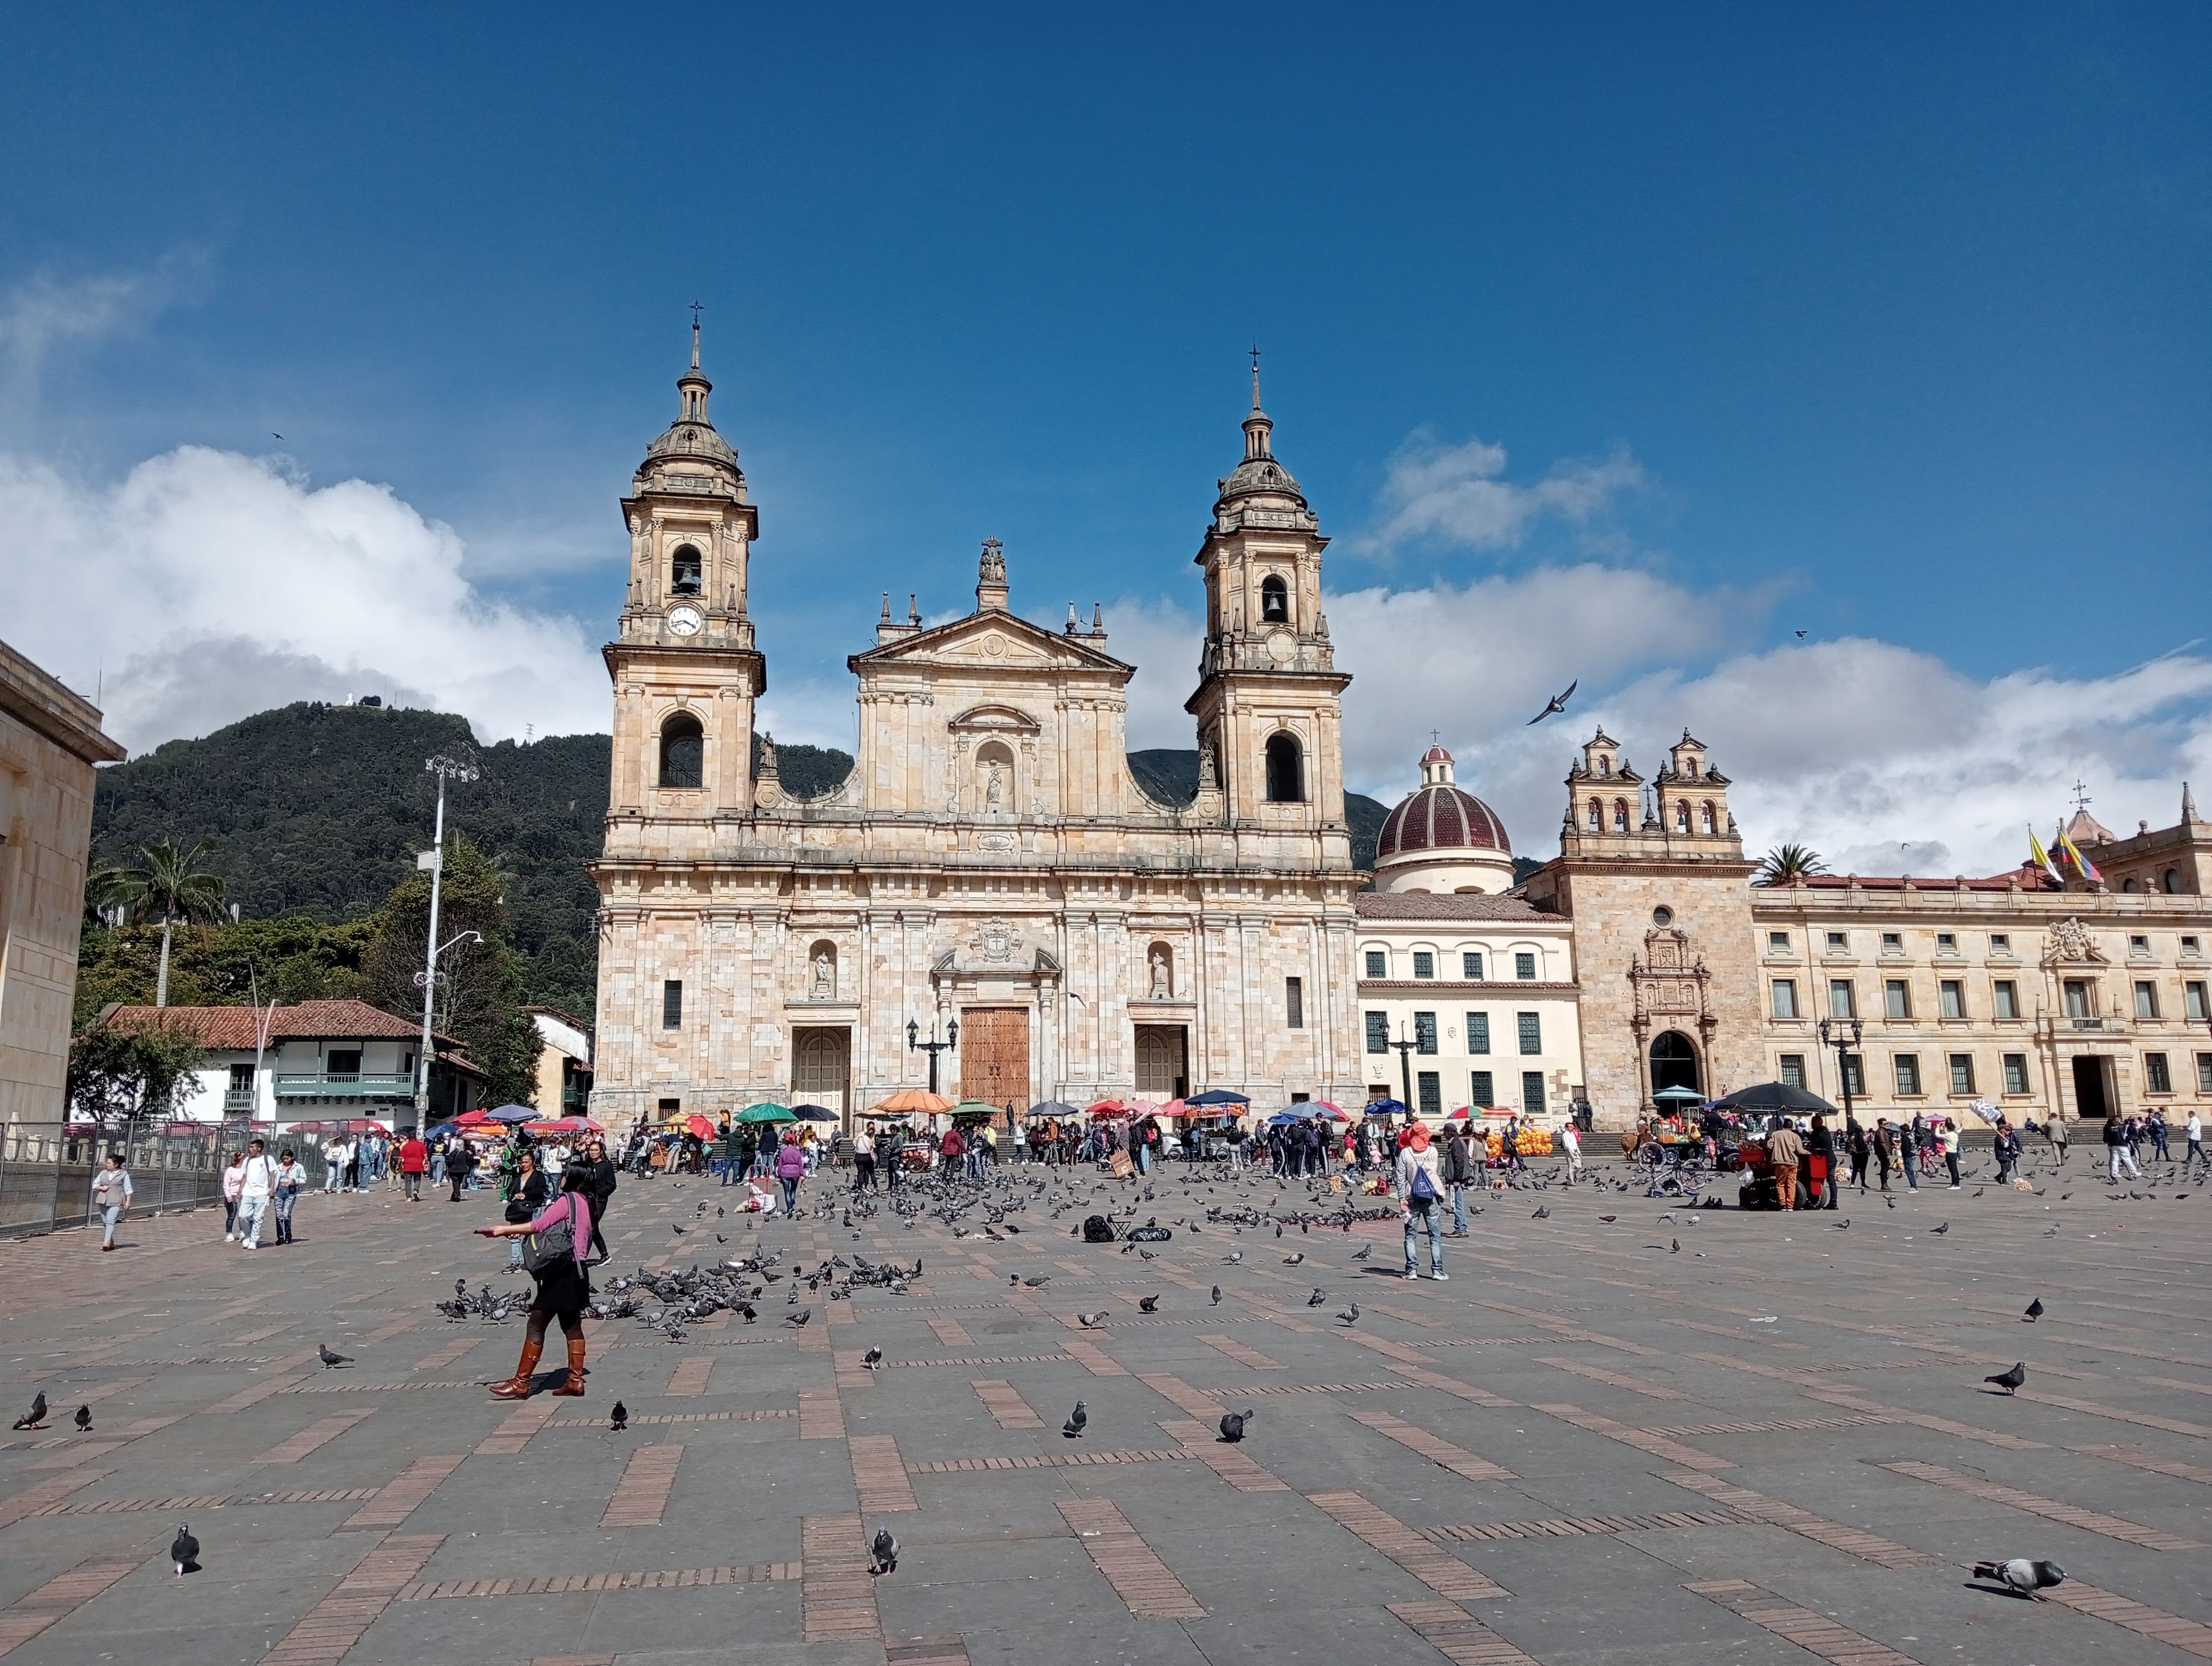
<point x="1439" y="828"/>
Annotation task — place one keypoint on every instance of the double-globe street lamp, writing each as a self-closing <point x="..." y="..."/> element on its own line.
<point x="933" y="1046"/>
<point x="1831" y="1035"/>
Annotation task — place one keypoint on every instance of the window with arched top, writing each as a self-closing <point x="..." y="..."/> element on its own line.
<point x="1705" y="818"/>
<point x="2129" y="885"/>
<point x="1681" y="816"/>
<point x="2173" y="881"/>
<point x="1605" y="766"/>
<point x="1620" y="815"/>
<point x="1691" y="766"/>
<point x="683" y="751"/>
<point x="1275" y="600"/>
<point x="1286" y="775"/>
<point x="687" y="572"/>
<point x="1597" y="817"/>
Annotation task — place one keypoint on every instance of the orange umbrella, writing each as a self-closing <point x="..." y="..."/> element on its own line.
<point x="909" y="1099"/>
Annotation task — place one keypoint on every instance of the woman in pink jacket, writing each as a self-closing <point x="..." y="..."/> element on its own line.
<point x="790" y="1166"/>
<point x="564" y="1287"/>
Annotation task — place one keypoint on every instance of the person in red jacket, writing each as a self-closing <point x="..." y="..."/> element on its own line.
<point x="953" y="1147"/>
<point x="414" y="1164"/>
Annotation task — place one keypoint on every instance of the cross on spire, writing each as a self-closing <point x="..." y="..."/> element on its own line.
<point x="2082" y="799"/>
<point x="1255" y="375"/>
<point x="696" y="308"/>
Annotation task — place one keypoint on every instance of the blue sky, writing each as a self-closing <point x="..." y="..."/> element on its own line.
<point x="1618" y="343"/>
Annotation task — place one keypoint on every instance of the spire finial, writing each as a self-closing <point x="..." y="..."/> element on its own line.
<point x="1255" y="375"/>
<point x="696" y="308"/>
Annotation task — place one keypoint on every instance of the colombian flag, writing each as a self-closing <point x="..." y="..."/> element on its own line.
<point x="2083" y="865"/>
<point x="2042" y="857"/>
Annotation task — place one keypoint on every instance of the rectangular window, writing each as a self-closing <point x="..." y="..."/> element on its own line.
<point x="1896" y="998"/>
<point x="343" y="1064"/>
<point x="1524" y="965"/>
<point x="1946" y="942"/>
<point x="671" y="1003"/>
<point x="1532" y="1093"/>
<point x="1378" y="1032"/>
<point x="1837" y="942"/>
<point x="241" y="1078"/>
<point x="669" y="1106"/>
<point x="1480" y="1093"/>
<point x="2189" y="945"/>
<point x="2193" y="1001"/>
<point x="1532" y="1031"/>
<point x="1424" y="963"/>
<point x="2000" y="943"/>
<point x="1908" y="1073"/>
<point x="1962" y="1074"/>
<point x="1429" y="1090"/>
<point x="2077" y="998"/>
<point x="1892" y="942"/>
<point x="2008" y="997"/>
<point x="1840" y="1003"/>
<point x="1424" y="1032"/>
<point x="1470" y="967"/>
<point x="1854" y="1075"/>
<point x="2204" y="1073"/>
<point x="1294" y="1002"/>
<point x="1954" y="994"/>
<point x="1478" y="1032"/>
<point x="1793" y="1070"/>
<point x="1378" y="963"/>
<point x="2145" y="1000"/>
<point x="1785" y="997"/>
<point x="2015" y="1068"/>
<point x="1778" y="942"/>
<point x="2156" y="1076"/>
<point x="2138" y="946"/>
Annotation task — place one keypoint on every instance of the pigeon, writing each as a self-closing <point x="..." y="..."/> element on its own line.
<point x="1217" y="1295"/>
<point x="1037" y="1282"/>
<point x="36" y="1415"/>
<point x="1076" y="1420"/>
<point x="2034" y="1311"/>
<point x="184" y="1552"/>
<point x="1292" y="1261"/>
<point x="1673" y="1246"/>
<point x="1938" y="1231"/>
<point x="1365" y="1250"/>
<point x="678" y="1231"/>
<point x="331" y="1360"/>
<point x="746" y="1312"/>
<point x="1232" y="1425"/>
<point x="1013" y="1278"/>
<point x="618" y="1419"/>
<point x="1233" y="1258"/>
<point x="886" y="1552"/>
<point x="1351" y="1315"/>
<point x="1608" y="1219"/>
<point x="799" y="1317"/>
<point x="460" y="1289"/>
<point x="872" y="1359"/>
<point x="2021" y="1577"/>
<point x="2010" y="1381"/>
<point x="1091" y="1321"/>
<point x="1543" y="1212"/>
<point x="1148" y="1304"/>
<point x="1558" y="703"/>
<point x="84" y="1419"/>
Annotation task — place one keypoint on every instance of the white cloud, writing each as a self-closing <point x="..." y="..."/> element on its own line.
<point x="1457" y="493"/>
<point x="43" y="311"/>
<point x="209" y="585"/>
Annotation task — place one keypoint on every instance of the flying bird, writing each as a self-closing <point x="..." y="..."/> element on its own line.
<point x="618" y="1419"/>
<point x="886" y="1552"/>
<point x="184" y="1552"/>
<point x="84" y="1419"/>
<point x="2010" y="1381"/>
<point x="1801" y="635"/>
<point x="872" y="1359"/>
<point x="1076" y="1421"/>
<point x="331" y="1360"/>
<point x="1232" y="1425"/>
<point x="2021" y="1577"/>
<point x="1558" y="703"/>
<point x="36" y="1415"/>
<point x="2034" y="1310"/>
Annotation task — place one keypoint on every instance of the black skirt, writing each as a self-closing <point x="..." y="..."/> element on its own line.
<point x="562" y="1290"/>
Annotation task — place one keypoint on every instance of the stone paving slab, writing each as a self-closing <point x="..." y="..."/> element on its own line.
<point x="1573" y="1453"/>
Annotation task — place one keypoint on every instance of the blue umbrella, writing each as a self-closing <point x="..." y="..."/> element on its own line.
<point x="1218" y="1096"/>
<point x="1384" y="1108"/>
<point x="1283" y="1116"/>
<point x="512" y="1113"/>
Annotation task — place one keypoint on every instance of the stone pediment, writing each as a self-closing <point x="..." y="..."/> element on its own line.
<point x="991" y="641"/>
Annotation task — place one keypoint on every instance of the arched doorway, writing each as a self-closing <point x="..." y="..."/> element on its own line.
<point x="1674" y="1063"/>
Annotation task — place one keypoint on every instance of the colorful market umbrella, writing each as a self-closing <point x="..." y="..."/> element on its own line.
<point x="472" y="1119"/>
<point x="971" y="1110"/>
<point x="695" y="1123"/>
<point x="767" y="1114"/>
<point x="1110" y="1108"/>
<point x="1384" y="1108"/>
<point x="909" y="1099"/>
<point x="1218" y="1096"/>
<point x="510" y="1114"/>
<point x="565" y="1125"/>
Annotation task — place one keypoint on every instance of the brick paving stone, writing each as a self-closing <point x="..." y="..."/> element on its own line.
<point x="1643" y="1439"/>
<point x="253" y="1394"/>
<point x="952" y="1333"/>
<point x="837" y="1595"/>
<point x="1458" y="1459"/>
<point x="1813" y="1632"/>
<point x="1242" y="1354"/>
<point x="1231" y="1461"/>
<point x="2143" y="1420"/>
<point x="2091" y="1521"/>
<point x="1582" y="1526"/>
<point x="2157" y="1464"/>
<point x="970" y="1466"/>
<point x="334" y="1625"/>
<point x="1441" y="1571"/>
<point x="987" y="1359"/>
<point x="754" y="1415"/>
<point x="1139" y="1579"/>
<point x="400" y="1497"/>
<point x="642" y="1493"/>
<point x="689" y="1380"/>
<point x="35" y="1497"/>
<point x="557" y="1585"/>
<point x="1092" y="1358"/>
<point x="1458" y="1636"/>
<point x="1612" y="1378"/>
<point x="2192" y="1636"/>
<point x="1005" y="1405"/>
<point x="514" y="1431"/>
<point x="820" y="1414"/>
<point x="1851" y="1541"/>
<point x="58" y="1599"/>
<point x="314" y="1438"/>
<point x="879" y="1475"/>
<point x="926" y="1652"/>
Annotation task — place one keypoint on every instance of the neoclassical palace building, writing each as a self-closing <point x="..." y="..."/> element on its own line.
<point x="990" y="862"/>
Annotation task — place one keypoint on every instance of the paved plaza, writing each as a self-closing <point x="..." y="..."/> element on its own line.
<point x="1774" y="1444"/>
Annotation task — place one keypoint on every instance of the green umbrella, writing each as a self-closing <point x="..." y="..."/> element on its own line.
<point x="967" y="1109"/>
<point x="767" y="1114"/>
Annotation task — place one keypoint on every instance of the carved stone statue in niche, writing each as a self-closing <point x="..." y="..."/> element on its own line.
<point x="1163" y="986"/>
<point x="825" y="976"/>
<point x="994" y="788"/>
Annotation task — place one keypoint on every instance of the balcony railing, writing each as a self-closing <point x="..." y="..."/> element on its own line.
<point x="345" y="1085"/>
<point x="238" y="1101"/>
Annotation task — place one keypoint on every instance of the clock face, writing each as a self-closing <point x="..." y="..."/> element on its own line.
<point x="685" y="620"/>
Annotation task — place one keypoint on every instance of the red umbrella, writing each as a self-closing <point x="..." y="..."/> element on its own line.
<point x="470" y="1119"/>
<point x="1108" y="1108"/>
<point x="567" y="1125"/>
<point x="700" y="1125"/>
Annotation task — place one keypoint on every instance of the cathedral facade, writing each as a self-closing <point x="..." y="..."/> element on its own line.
<point x="990" y="862"/>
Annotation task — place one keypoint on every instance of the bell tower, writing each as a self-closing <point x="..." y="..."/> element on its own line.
<point x="686" y="670"/>
<point x="1266" y="704"/>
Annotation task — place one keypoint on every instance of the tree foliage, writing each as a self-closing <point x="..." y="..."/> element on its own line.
<point x="115" y="1073"/>
<point x="292" y="959"/>
<point x="1786" y="864"/>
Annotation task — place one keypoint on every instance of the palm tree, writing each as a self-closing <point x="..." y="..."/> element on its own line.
<point x="1786" y="864"/>
<point x="169" y="881"/>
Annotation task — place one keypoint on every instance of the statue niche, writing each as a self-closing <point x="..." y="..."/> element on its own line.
<point x="995" y="792"/>
<point x="822" y="971"/>
<point x="1159" y="973"/>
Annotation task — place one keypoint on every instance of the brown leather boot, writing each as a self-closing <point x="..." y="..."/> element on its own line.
<point x="575" y="1385"/>
<point x="517" y="1387"/>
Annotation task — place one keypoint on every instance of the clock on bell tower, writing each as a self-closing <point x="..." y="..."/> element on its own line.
<point x="685" y="671"/>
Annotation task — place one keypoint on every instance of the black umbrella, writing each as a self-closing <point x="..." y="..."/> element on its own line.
<point x="1775" y="1096"/>
<point x="814" y="1114"/>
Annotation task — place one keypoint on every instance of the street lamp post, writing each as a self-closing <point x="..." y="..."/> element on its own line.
<point x="933" y="1046"/>
<point x="1843" y="1045"/>
<point x="1404" y="1050"/>
<point x="446" y="768"/>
